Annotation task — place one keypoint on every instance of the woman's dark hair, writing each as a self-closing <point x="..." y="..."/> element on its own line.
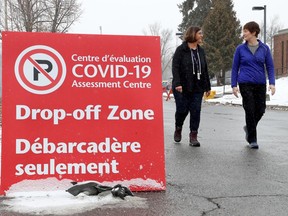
<point x="190" y="34"/>
<point x="252" y="27"/>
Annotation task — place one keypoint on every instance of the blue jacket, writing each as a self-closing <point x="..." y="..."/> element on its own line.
<point x="249" y="68"/>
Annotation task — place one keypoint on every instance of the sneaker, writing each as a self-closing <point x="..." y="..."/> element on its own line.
<point x="246" y="133"/>
<point x="193" y="139"/>
<point x="253" y="145"/>
<point x="177" y="134"/>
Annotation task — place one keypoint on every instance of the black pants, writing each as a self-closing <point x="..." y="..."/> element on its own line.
<point x="254" y="104"/>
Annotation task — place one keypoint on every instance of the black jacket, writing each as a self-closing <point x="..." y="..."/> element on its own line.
<point x="182" y="70"/>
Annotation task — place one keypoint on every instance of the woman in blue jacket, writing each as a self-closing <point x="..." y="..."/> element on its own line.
<point x="190" y="81"/>
<point x="251" y="61"/>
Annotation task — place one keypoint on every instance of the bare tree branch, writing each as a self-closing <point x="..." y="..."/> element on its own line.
<point x="40" y="15"/>
<point x="166" y="49"/>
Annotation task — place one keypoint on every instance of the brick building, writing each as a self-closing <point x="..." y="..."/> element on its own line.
<point x="281" y="53"/>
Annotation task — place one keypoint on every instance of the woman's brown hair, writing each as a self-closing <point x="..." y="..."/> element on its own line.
<point x="252" y="27"/>
<point x="190" y="34"/>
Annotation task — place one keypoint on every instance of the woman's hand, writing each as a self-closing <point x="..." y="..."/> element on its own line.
<point x="207" y="93"/>
<point x="235" y="91"/>
<point x="272" y="89"/>
<point x="179" y="89"/>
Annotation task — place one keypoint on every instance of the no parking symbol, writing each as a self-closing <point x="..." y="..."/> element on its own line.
<point x="40" y="69"/>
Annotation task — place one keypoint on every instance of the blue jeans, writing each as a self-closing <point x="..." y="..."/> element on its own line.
<point x="188" y="103"/>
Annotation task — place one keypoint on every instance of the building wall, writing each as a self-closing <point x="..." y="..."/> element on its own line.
<point x="281" y="53"/>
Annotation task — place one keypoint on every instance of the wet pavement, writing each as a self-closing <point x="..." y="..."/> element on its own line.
<point x="223" y="176"/>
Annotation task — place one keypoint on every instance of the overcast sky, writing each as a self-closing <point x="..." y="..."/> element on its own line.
<point x="131" y="17"/>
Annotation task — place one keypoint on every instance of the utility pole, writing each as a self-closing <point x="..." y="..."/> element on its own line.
<point x="262" y="8"/>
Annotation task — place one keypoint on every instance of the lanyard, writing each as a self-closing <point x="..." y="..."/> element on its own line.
<point x="196" y="62"/>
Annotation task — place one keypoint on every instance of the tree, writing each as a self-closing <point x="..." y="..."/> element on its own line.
<point x="194" y="13"/>
<point x="166" y="47"/>
<point x="39" y="15"/>
<point x="222" y="34"/>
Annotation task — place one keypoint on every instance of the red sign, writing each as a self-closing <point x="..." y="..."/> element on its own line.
<point x="82" y="107"/>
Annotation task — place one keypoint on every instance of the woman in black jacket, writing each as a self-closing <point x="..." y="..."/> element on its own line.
<point x="190" y="82"/>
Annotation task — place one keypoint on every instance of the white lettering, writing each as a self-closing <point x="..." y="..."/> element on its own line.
<point x="57" y="115"/>
<point x="93" y="70"/>
<point x="45" y="146"/>
<point x="24" y="112"/>
<point x="70" y="168"/>
<point x="22" y="146"/>
<point x="125" y="114"/>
